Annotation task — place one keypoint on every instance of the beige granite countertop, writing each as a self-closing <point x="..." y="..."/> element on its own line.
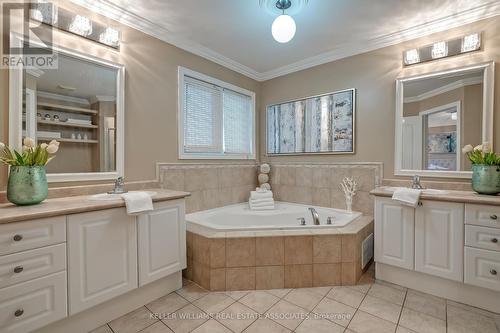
<point x="449" y="196"/>
<point x="72" y="205"/>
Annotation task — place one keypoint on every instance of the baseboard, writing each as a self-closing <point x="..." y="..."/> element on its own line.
<point x="99" y="315"/>
<point x="475" y="296"/>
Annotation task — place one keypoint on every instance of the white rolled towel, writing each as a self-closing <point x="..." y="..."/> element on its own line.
<point x="263" y="178"/>
<point x="261" y="195"/>
<point x="266" y="186"/>
<point x="265" y="168"/>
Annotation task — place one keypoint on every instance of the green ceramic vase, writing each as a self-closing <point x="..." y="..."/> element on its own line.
<point x="27" y="185"/>
<point x="486" y="179"/>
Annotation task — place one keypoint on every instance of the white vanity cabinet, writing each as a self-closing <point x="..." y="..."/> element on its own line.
<point x="102" y="257"/>
<point x="162" y="241"/>
<point x="394" y="233"/>
<point x="439" y="239"/>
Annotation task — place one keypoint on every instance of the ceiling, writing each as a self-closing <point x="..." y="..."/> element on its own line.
<point x="237" y="33"/>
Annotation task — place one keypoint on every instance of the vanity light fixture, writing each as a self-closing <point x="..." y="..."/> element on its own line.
<point x="81" y="25"/>
<point x="439" y="50"/>
<point x="284" y="27"/>
<point x="110" y="37"/>
<point x="443" y="49"/>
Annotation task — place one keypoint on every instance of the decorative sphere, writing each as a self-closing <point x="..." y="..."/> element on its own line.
<point x="283" y="28"/>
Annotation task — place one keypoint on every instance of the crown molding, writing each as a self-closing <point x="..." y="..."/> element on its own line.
<point x="444" y="89"/>
<point x="63" y="98"/>
<point x="108" y="9"/>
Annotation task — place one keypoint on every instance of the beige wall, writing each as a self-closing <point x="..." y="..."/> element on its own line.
<point x="150" y="93"/>
<point x="373" y="74"/>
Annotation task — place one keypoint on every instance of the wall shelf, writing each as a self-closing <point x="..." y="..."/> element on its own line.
<point x="68" y="140"/>
<point x="65" y="108"/>
<point x="65" y="124"/>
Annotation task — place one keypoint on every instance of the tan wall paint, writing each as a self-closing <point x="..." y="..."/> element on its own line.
<point x="150" y="93"/>
<point x="373" y="74"/>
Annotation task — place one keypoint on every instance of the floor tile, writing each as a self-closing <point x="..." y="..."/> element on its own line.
<point x="461" y="320"/>
<point x="237" y="317"/>
<point x="279" y="292"/>
<point x="335" y="311"/>
<point x="389" y="293"/>
<point x="287" y="314"/>
<point x="366" y="323"/>
<point x="259" y="301"/>
<point x="364" y="284"/>
<point x="159" y="327"/>
<point x="401" y="329"/>
<point x="346" y="295"/>
<point x="266" y="326"/>
<point x="381" y="308"/>
<point x="212" y="326"/>
<point x="421" y="322"/>
<point x="473" y="309"/>
<point x="192" y="292"/>
<point x="214" y="302"/>
<point x="236" y="295"/>
<point x="322" y="291"/>
<point x="318" y="325"/>
<point x="167" y="304"/>
<point x="133" y="321"/>
<point x="425" y="303"/>
<point x="186" y="319"/>
<point x="102" y="329"/>
<point x="304" y="298"/>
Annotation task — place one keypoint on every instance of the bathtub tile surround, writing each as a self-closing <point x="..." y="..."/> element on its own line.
<point x="211" y="184"/>
<point x="308" y="258"/>
<point x="318" y="183"/>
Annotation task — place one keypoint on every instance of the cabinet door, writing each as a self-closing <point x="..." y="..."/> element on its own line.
<point x="162" y="241"/>
<point x="439" y="239"/>
<point x="102" y="257"/>
<point x="394" y="233"/>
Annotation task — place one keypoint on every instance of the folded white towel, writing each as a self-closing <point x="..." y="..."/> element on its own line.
<point x="137" y="202"/>
<point x="267" y="206"/>
<point x="261" y="195"/>
<point x="407" y="196"/>
<point x="262" y="201"/>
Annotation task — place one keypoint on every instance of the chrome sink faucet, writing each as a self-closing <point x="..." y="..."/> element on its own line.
<point x="315" y="215"/>
<point x="119" y="186"/>
<point x="416" y="183"/>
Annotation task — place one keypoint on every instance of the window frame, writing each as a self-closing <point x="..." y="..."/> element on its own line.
<point x="186" y="155"/>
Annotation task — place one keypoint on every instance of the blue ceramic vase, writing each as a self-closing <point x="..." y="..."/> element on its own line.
<point x="27" y="185"/>
<point x="486" y="179"/>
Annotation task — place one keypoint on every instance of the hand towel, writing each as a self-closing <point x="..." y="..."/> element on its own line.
<point x="268" y="206"/>
<point x="407" y="196"/>
<point x="137" y="202"/>
<point x="262" y="201"/>
<point x="261" y="195"/>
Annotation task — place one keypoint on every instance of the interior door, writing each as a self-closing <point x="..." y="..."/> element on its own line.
<point x="412" y="143"/>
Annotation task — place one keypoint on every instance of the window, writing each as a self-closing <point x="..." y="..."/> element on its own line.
<point x="216" y="119"/>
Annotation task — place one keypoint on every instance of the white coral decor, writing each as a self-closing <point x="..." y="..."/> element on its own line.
<point x="349" y="186"/>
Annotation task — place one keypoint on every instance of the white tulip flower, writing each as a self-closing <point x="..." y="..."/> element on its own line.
<point x="478" y="147"/>
<point x="2" y="146"/>
<point x="52" y="148"/>
<point x="29" y="142"/>
<point x="54" y="142"/>
<point x="25" y="149"/>
<point x="467" y="149"/>
<point x="486" y="147"/>
<point x="44" y="145"/>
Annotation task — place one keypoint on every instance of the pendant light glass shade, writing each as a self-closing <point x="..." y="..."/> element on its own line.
<point x="283" y="28"/>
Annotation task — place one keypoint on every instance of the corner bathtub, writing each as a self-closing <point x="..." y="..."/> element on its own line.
<point x="285" y="216"/>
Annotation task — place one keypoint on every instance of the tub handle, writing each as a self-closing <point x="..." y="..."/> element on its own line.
<point x="329" y="220"/>
<point x="302" y="220"/>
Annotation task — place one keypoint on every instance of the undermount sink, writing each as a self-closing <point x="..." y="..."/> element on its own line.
<point x="111" y="197"/>
<point x="424" y="191"/>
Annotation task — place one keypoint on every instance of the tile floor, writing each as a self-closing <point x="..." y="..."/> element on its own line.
<point x="372" y="306"/>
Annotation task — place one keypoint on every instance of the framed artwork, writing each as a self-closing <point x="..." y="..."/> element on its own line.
<point x="323" y="124"/>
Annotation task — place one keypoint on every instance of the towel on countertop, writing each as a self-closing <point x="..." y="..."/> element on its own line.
<point x="407" y="196"/>
<point x="137" y="202"/>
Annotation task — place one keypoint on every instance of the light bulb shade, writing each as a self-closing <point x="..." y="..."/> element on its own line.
<point x="283" y="28"/>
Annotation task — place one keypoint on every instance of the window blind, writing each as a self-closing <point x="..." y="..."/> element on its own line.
<point x="237" y="122"/>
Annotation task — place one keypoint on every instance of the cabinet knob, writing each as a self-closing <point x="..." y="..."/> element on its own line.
<point x="19" y="312"/>
<point x="493" y="271"/>
<point x="420" y="203"/>
<point x="494" y="240"/>
<point x="17" y="238"/>
<point x="18" y="269"/>
<point x="493" y="217"/>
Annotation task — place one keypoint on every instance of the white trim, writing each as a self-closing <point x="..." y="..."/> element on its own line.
<point x="108" y="9"/>
<point x="102" y="98"/>
<point x="36" y="72"/>
<point x="444" y="89"/>
<point x="63" y="98"/>
<point x="182" y="74"/>
<point x="488" y="97"/>
<point x="15" y="113"/>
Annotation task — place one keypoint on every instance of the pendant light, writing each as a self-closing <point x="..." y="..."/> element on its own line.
<point x="283" y="28"/>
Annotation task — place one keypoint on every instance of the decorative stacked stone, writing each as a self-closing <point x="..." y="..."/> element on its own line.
<point x="263" y="176"/>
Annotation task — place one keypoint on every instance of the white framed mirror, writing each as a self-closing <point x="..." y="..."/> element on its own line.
<point x="437" y="114"/>
<point x="79" y="103"/>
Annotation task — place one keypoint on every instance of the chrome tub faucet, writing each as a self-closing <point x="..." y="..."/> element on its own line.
<point x="315" y="215"/>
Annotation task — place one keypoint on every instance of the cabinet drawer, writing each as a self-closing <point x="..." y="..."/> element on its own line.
<point x="482" y="237"/>
<point x="21" y="236"/>
<point x="31" y="264"/>
<point x="482" y="268"/>
<point x="30" y="305"/>
<point x="483" y="215"/>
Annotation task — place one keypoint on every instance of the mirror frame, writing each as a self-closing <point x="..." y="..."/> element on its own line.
<point x="487" y="123"/>
<point x="15" y="112"/>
